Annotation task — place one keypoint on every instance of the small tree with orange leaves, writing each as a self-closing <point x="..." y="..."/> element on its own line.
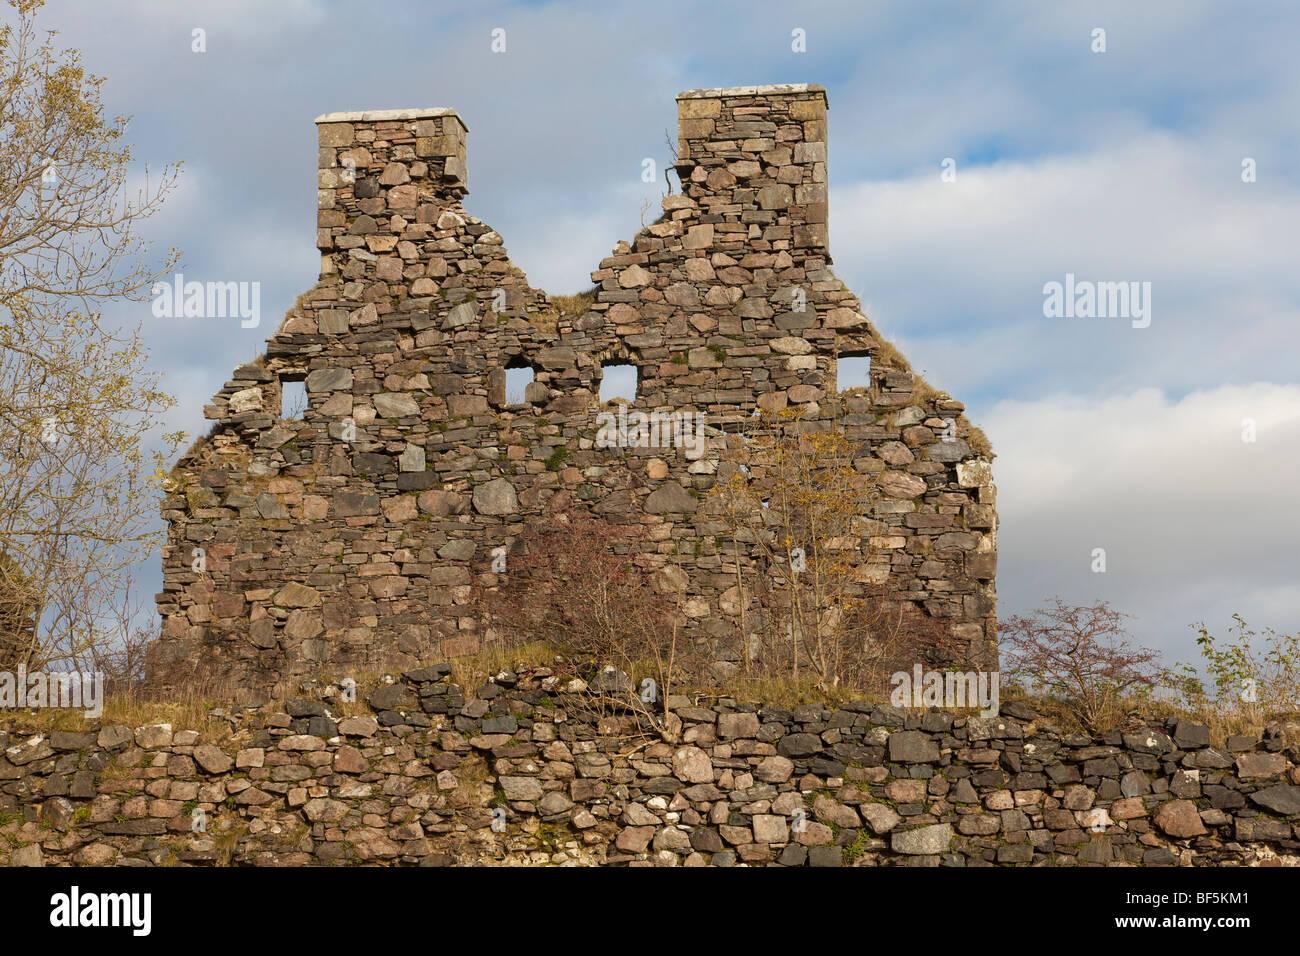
<point x="78" y="401"/>
<point x="797" y="512"/>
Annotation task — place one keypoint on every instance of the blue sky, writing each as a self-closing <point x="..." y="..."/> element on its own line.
<point x="1122" y="165"/>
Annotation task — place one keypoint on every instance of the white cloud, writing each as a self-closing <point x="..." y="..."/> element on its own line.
<point x="1195" y="522"/>
<point x="1154" y="206"/>
<point x="962" y="265"/>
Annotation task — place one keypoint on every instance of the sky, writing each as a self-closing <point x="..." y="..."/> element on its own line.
<point x="977" y="153"/>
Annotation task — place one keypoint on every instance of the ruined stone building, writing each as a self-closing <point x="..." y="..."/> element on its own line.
<point x="347" y="539"/>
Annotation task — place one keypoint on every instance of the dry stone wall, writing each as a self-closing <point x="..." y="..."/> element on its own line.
<point x="537" y="768"/>
<point x="348" y="540"/>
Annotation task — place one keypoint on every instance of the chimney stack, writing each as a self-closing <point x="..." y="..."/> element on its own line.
<point x="755" y="157"/>
<point x="384" y="163"/>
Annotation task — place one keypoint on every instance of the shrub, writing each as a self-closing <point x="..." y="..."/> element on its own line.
<point x="1245" y="681"/>
<point x="798" y="515"/>
<point x="571" y="583"/>
<point x="1081" y="657"/>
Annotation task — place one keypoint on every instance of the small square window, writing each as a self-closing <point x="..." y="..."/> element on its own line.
<point x="293" y="399"/>
<point x="853" y="371"/>
<point x="517" y="382"/>
<point x="618" y="381"/>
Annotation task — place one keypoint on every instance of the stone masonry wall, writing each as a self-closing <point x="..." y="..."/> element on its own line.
<point x="419" y="776"/>
<point x="347" y="541"/>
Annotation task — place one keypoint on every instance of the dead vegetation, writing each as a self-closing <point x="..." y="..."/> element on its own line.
<point x="562" y="306"/>
<point x="190" y="710"/>
<point x="574" y="305"/>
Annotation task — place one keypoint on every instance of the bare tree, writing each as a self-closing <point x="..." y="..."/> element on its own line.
<point x="1081" y="656"/>
<point x="799" y="518"/>
<point x="573" y="583"/>
<point x="76" y="481"/>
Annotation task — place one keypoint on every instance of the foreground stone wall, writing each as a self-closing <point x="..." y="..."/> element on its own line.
<point x="347" y="541"/>
<point x="418" y="776"/>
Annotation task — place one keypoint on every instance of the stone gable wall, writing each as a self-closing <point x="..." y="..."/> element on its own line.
<point x="348" y="541"/>
<point x="417" y="777"/>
